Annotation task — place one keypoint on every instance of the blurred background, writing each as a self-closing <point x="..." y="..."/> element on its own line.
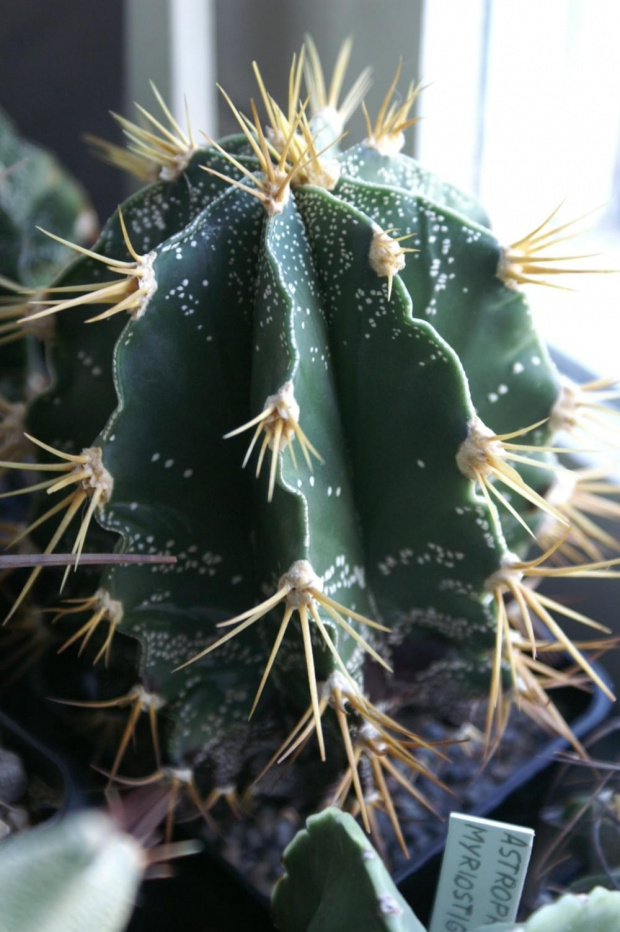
<point x="522" y="104"/>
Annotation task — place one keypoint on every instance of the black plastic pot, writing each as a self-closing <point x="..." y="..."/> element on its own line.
<point x="43" y="763"/>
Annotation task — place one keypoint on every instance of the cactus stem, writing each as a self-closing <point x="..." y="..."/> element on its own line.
<point x="325" y="103"/>
<point x="386" y="255"/>
<point x="279" y="420"/>
<point x="138" y="700"/>
<point x="131" y="293"/>
<point x="102" y="609"/>
<point x="166" y="152"/>
<point x="525" y="261"/>
<point x="482" y="456"/>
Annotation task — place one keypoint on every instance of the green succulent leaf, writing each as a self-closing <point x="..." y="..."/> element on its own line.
<point x="334" y="881"/>
<point x="598" y="911"/>
<point x="79" y="875"/>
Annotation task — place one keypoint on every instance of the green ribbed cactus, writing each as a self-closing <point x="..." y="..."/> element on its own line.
<point x="348" y="328"/>
<point x="598" y="910"/>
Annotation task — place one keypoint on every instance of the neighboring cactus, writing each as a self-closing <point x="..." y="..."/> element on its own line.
<point x="401" y="397"/>
<point x="79" y="875"/>
<point x="334" y="881"/>
<point x="598" y="911"/>
<point x="36" y="192"/>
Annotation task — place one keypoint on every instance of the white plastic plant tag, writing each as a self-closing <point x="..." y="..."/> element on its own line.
<point x="482" y="874"/>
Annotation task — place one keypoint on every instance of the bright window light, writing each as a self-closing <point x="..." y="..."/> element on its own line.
<point x="524" y="109"/>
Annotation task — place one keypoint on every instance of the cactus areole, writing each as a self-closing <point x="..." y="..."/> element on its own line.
<point x="312" y="375"/>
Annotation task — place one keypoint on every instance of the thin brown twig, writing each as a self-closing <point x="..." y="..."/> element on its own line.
<point x="16" y="561"/>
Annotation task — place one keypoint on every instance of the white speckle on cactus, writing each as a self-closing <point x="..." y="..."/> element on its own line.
<point x="388" y="906"/>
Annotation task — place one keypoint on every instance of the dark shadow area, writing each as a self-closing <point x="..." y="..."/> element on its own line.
<point x="62" y="71"/>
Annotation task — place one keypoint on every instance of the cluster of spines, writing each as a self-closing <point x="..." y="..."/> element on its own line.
<point x="287" y="155"/>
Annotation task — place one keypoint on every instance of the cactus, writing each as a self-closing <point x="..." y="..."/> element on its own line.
<point x="599" y="909"/>
<point x="348" y="328"/>
<point x="35" y="192"/>
<point x="79" y="874"/>
<point x="334" y="880"/>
